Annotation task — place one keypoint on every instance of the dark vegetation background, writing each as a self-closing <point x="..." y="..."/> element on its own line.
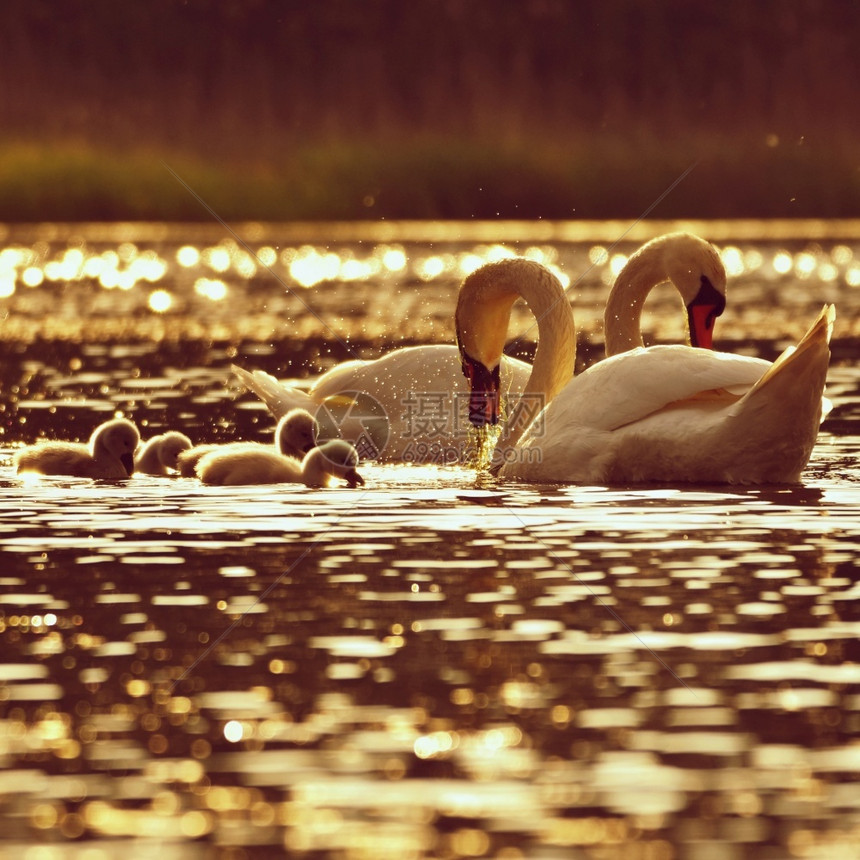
<point x="330" y="109"/>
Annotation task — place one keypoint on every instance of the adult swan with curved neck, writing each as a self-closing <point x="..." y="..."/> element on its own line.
<point x="421" y="389"/>
<point x="661" y="414"/>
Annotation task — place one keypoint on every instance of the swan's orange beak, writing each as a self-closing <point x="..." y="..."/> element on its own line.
<point x="702" y="313"/>
<point x="484" y="392"/>
<point x="127" y="461"/>
<point x="701" y="330"/>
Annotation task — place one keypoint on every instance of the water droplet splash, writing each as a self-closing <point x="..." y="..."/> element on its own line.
<point x="480" y="444"/>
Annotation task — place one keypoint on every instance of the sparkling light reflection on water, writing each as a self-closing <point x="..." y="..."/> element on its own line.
<point x="428" y="666"/>
<point x="151" y="278"/>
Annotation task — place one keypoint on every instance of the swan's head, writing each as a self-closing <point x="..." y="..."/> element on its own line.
<point x="478" y="329"/>
<point x="340" y="460"/>
<point x="296" y="433"/>
<point x="171" y="445"/>
<point x="118" y="438"/>
<point x="695" y="268"/>
<point x="483" y="314"/>
<point x="484" y="389"/>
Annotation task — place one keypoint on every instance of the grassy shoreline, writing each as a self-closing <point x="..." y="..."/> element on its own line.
<point x="431" y="178"/>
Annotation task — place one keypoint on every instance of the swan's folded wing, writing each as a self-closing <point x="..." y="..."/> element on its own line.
<point x="799" y="373"/>
<point x="816" y="339"/>
<point x="629" y="386"/>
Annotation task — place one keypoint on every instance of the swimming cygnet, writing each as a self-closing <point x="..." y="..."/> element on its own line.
<point x="334" y="459"/>
<point x="159" y="455"/>
<point x="295" y="435"/>
<point x="109" y="454"/>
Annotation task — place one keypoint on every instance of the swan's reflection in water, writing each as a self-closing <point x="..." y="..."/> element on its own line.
<point x="429" y="668"/>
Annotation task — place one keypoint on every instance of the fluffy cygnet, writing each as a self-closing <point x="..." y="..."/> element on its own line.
<point x="159" y="455"/>
<point x="295" y="435"/>
<point x="109" y="454"/>
<point x="334" y="459"/>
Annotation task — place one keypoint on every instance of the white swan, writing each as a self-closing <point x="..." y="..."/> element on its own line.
<point x="109" y="454"/>
<point x="159" y="455"/>
<point x="333" y="459"/>
<point x="404" y="406"/>
<point x="657" y="414"/>
<point x="421" y="390"/>
<point x="295" y="435"/>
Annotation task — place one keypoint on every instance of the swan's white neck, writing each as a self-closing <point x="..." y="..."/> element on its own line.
<point x="681" y="259"/>
<point x="483" y="314"/>
<point x="622" y="317"/>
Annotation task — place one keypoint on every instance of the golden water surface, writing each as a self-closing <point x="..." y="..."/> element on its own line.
<point x="434" y="665"/>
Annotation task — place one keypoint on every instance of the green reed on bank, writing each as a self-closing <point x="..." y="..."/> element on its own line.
<point x="434" y="177"/>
